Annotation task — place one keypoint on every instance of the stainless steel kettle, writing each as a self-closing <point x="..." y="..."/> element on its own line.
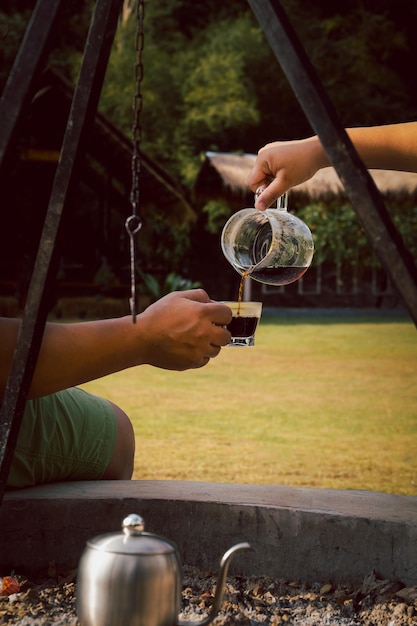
<point x="133" y="578"/>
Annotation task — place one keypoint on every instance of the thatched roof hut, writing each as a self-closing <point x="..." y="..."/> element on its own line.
<point x="225" y="175"/>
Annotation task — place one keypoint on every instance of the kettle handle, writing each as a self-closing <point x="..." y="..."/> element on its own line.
<point x="218" y="596"/>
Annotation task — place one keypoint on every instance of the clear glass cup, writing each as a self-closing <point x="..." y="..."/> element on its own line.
<point x="246" y="316"/>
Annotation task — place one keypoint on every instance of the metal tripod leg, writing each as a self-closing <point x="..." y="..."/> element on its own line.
<point x="359" y="185"/>
<point x="28" y="63"/>
<point x="84" y="105"/>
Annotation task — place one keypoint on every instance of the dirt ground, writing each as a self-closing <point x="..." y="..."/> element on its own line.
<point x="247" y="601"/>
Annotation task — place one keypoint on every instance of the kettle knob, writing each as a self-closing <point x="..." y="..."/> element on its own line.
<point x="133" y="524"/>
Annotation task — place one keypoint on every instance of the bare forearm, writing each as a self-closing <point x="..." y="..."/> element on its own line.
<point x="72" y="354"/>
<point x="282" y="165"/>
<point x="84" y="351"/>
<point x="181" y="331"/>
<point x="391" y="147"/>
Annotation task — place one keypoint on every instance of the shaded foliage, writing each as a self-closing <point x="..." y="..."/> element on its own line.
<point x="211" y="82"/>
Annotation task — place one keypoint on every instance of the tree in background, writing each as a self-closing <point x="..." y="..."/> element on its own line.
<point x="211" y="81"/>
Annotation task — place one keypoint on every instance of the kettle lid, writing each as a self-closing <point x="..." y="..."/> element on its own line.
<point x="133" y="540"/>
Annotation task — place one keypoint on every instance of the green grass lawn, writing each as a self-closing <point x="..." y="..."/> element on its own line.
<point x="318" y="402"/>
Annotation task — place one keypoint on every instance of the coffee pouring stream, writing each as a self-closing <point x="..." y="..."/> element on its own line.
<point x="271" y="246"/>
<point x="133" y="578"/>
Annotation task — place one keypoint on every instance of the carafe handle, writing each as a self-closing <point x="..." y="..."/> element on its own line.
<point x="282" y="201"/>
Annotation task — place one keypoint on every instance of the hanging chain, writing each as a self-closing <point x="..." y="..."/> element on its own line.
<point x="133" y="223"/>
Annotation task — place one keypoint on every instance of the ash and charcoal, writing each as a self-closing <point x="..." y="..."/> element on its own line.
<point x="247" y="601"/>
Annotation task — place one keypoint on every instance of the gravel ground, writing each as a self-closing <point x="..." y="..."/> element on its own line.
<point x="247" y="601"/>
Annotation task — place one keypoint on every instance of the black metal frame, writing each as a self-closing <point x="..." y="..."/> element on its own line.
<point x="359" y="185"/>
<point x="84" y="105"/>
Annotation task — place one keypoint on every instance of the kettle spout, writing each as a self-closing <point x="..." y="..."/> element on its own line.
<point x="221" y="580"/>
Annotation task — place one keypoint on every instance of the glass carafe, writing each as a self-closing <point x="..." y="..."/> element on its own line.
<point x="272" y="246"/>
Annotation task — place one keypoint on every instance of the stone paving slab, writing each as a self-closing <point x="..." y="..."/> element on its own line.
<point x="295" y="533"/>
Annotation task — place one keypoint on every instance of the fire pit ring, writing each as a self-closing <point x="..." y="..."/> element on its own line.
<point x="296" y="533"/>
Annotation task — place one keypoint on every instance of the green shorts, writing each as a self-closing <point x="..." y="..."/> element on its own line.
<point x="69" y="435"/>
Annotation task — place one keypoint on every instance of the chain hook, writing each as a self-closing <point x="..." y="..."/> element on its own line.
<point x="133" y="223"/>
